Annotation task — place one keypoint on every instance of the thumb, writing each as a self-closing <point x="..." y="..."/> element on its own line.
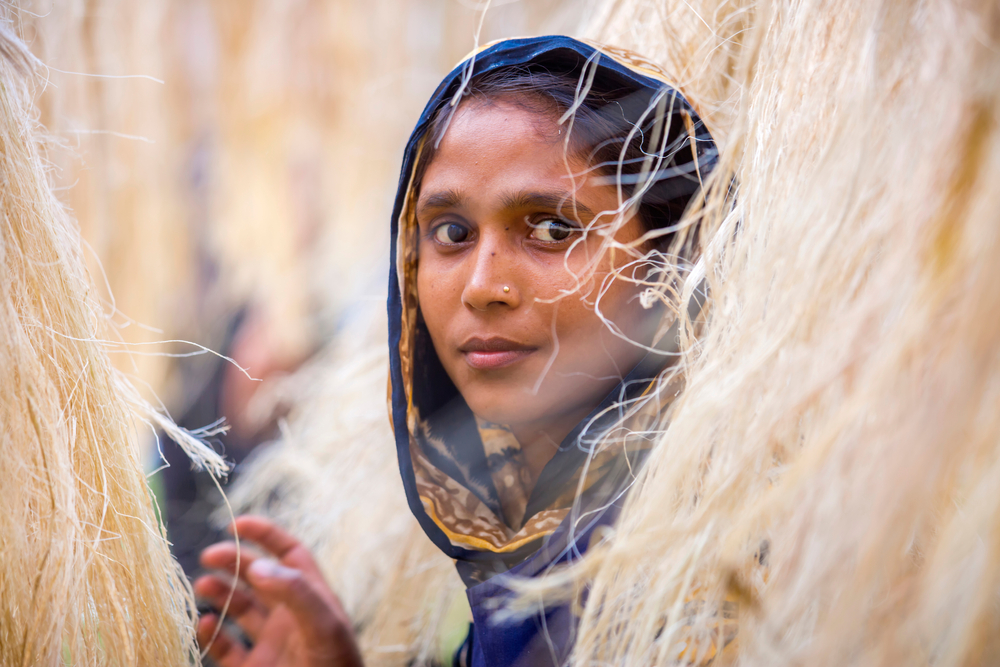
<point x="319" y="618"/>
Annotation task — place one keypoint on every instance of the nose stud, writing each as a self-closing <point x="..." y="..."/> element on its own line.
<point x="506" y="289"/>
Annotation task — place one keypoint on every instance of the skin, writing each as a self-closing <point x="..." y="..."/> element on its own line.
<point x="283" y="604"/>
<point x="523" y="357"/>
<point x="499" y="183"/>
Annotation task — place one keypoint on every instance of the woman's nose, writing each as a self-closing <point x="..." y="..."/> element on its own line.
<point x="491" y="276"/>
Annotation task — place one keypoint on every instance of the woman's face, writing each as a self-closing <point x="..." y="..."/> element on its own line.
<point x="500" y="242"/>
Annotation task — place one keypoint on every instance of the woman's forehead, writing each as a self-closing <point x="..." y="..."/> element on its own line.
<point x="487" y="141"/>
<point x="503" y="120"/>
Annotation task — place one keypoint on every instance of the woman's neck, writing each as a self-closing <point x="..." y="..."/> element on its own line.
<point x="540" y="440"/>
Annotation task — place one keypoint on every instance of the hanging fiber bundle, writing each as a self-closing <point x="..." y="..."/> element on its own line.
<point x="86" y="577"/>
<point x="825" y="491"/>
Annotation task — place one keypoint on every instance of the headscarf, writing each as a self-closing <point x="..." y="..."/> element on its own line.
<point x="453" y="465"/>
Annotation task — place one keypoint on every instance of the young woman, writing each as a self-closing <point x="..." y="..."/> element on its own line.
<point x="535" y="245"/>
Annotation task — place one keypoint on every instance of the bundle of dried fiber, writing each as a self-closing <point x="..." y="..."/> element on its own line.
<point x="828" y="479"/>
<point x="698" y="43"/>
<point x="333" y="481"/>
<point x="122" y="168"/>
<point x="86" y="577"/>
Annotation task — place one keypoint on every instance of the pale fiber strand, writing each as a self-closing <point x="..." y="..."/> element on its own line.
<point x="86" y="576"/>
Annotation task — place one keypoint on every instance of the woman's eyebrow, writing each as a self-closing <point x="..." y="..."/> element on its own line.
<point x="554" y="200"/>
<point x="443" y="199"/>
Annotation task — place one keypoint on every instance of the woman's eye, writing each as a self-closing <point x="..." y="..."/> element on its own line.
<point x="552" y="230"/>
<point x="451" y="233"/>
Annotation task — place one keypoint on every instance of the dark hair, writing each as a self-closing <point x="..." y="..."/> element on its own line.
<point x="609" y="118"/>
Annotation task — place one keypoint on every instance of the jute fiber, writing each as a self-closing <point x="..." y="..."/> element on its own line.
<point x="86" y="577"/>
<point x="833" y="464"/>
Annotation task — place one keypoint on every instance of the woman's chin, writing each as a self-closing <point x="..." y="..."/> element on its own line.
<point x="498" y="408"/>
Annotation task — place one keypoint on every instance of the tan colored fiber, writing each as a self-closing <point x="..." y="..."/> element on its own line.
<point x="840" y="417"/>
<point x="86" y="577"/>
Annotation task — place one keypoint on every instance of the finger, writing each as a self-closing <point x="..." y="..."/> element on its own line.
<point x="265" y="533"/>
<point x="275" y="540"/>
<point x="215" y="589"/>
<point x="318" y="616"/>
<point x="273" y="643"/>
<point x="223" y="649"/>
<point x="224" y="556"/>
<point x="248" y="611"/>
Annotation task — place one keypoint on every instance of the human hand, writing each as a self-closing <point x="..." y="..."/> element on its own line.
<point x="285" y="606"/>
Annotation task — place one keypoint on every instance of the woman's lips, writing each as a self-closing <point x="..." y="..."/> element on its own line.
<point x="485" y="361"/>
<point x="493" y="353"/>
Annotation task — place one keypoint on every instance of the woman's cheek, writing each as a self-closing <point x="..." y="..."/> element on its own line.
<point x="559" y="274"/>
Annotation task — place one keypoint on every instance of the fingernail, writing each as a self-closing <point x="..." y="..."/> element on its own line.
<point x="266" y="568"/>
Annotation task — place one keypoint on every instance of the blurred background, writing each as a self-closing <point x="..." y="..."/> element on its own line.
<point x="232" y="165"/>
